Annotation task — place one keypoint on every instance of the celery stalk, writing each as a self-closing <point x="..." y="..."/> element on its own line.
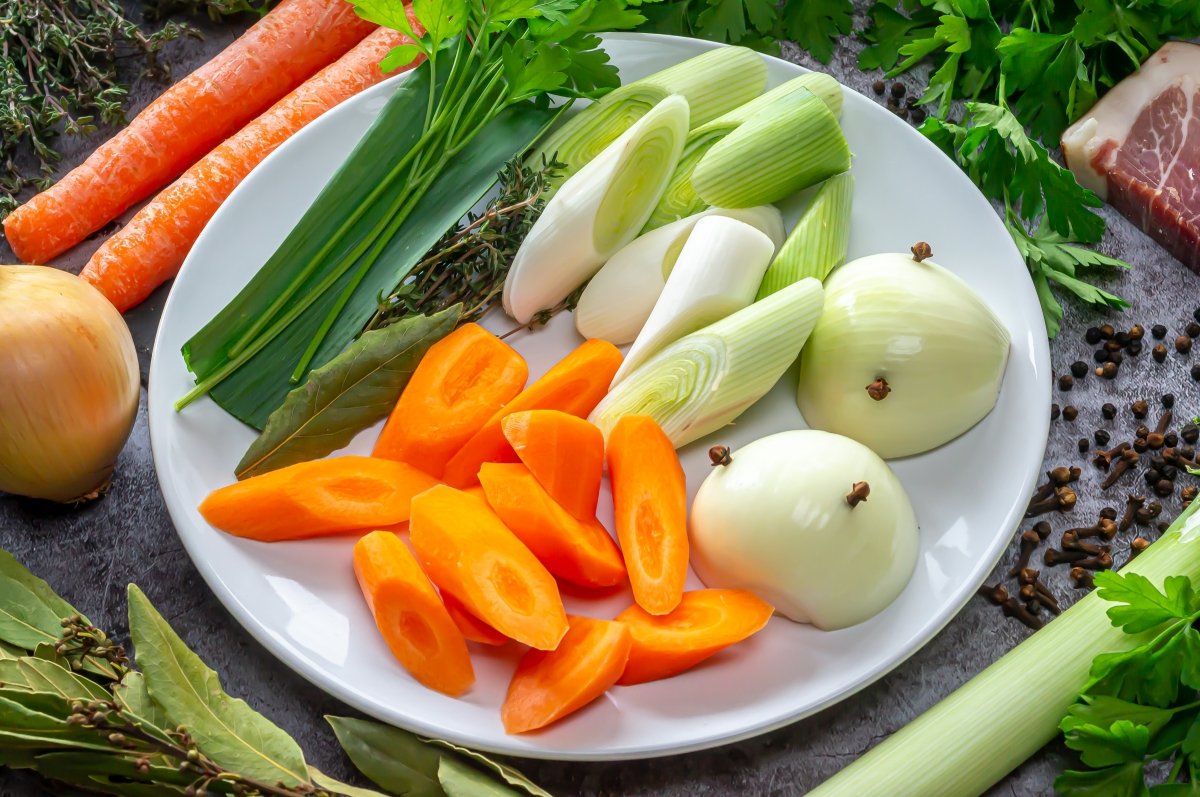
<point x="1002" y="716"/>
<point x="819" y="241"/>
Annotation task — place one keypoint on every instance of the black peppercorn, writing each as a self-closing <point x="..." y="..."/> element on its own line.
<point x="1134" y="348"/>
<point x="1158" y="331"/>
<point x="1092" y="335"/>
<point x="1163" y="488"/>
<point x="1152" y="476"/>
<point x="1100" y="356"/>
<point x="917" y="115"/>
<point x="1109" y="411"/>
<point x="1107" y="331"/>
<point x="1168" y="400"/>
<point x="1115" y="357"/>
<point x="1108" y="513"/>
<point x="1187" y="452"/>
<point x="1139" y="408"/>
<point x="877" y="87"/>
<point x="1158" y="462"/>
<point x="1169" y="472"/>
<point x="1109" y="371"/>
<point x="1079" y="369"/>
<point x="1123" y="338"/>
<point x="1183" y="344"/>
<point x="1066" y="382"/>
<point x="1101" y="437"/>
<point x="1170" y="440"/>
<point x="1190" y="433"/>
<point x="1084" y="445"/>
<point x="1196" y="314"/>
<point x="1055" y="411"/>
<point x="1137" y="332"/>
<point x="1192" y="329"/>
<point x="911" y="102"/>
<point x="899" y="89"/>
<point x="1140" y="445"/>
<point x="1070" y="412"/>
<point x="1159" y="353"/>
<point x="1112" y="346"/>
<point x="1142" y="431"/>
<point x="1195" y="372"/>
<point x="901" y="112"/>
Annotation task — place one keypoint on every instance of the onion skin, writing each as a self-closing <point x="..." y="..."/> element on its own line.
<point x="71" y="385"/>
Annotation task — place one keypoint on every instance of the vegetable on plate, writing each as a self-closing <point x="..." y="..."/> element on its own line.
<point x="814" y="523"/>
<point x="317" y="498"/>
<point x="704" y="623"/>
<point x="410" y="615"/>
<point x="619" y="298"/>
<point x="473" y="629"/>
<point x="819" y="241"/>
<point x="549" y="685"/>
<point x="717" y="273"/>
<point x="71" y="385"/>
<point x="596" y="211"/>
<point x="563" y="452"/>
<point x="905" y="357"/>
<point x="704" y="380"/>
<point x="276" y="55"/>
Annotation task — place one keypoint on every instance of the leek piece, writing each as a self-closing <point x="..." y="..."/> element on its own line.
<point x="596" y="212"/>
<point x="984" y="730"/>
<point x="819" y="241"/>
<point x="680" y="199"/>
<point x="773" y="155"/>
<point x="619" y="298"/>
<point x="717" y="273"/>
<point x="713" y="83"/>
<point x="704" y="380"/>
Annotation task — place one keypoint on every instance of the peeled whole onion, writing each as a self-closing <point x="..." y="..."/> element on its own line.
<point x="71" y="385"/>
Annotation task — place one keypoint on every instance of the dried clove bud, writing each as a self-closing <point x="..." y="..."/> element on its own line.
<point x="1102" y="561"/>
<point x="1132" y="504"/>
<point x="1053" y="558"/>
<point x="1042" y="528"/>
<point x="1030" y="540"/>
<point x="1070" y="542"/>
<point x="921" y="251"/>
<point x="858" y="493"/>
<point x="1032" y="593"/>
<point x="879" y="389"/>
<point x="1014" y="608"/>
<point x="719" y="455"/>
<point x="1083" y="578"/>
<point x="1104" y="458"/>
<point x="997" y="594"/>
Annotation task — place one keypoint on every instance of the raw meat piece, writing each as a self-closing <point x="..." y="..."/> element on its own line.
<point x="1139" y="148"/>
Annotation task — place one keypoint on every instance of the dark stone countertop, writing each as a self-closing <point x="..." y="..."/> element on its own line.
<point x="91" y="553"/>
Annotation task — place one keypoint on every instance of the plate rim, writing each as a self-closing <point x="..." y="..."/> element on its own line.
<point x="921" y="637"/>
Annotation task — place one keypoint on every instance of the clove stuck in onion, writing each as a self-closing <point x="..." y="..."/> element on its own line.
<point x="71" y="385"/>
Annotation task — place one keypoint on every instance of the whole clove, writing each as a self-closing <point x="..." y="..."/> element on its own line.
<point x="1164" y="422"/>
<point x="858" y="493"/>
<point x="1030" y="540"/>
<point x="1102" y="561"/>
<point x="1105" y="527"/>
<point x="1062" y="475"/>
<point x="719" y="455"/>
<point x="997" y="594"/>
<point x="1155" y="441"/>
<point x="1083" y="578"/>
<point x="1132" y="504"/>
<point x="1054" y="558"/>
<point x="879" y="389"/>
<point x="1014" y="608"/>
<point x="1142" y="431"/>
<point x="1070" y="542"/>
<point x="1137" y="545"/>
<point x="1108" y="513"/>
<point x="1127" y="461"/>
<point x="1104" y="458"/>
<point x="1140" y="445"/>
<point x="1031" y="593"/>
<point x="1062" y="499"/>
<point x="1189" y="493"/>
<point x="1042" y="529"/>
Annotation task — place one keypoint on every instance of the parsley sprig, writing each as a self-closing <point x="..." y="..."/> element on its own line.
<point x="1141" y="706"/>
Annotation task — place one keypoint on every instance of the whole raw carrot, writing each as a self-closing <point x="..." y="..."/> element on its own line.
<point x="278" y="53"/>
<point x="149" y="250"/>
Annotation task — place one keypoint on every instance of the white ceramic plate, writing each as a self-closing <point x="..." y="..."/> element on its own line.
<point x="300" y="598"/>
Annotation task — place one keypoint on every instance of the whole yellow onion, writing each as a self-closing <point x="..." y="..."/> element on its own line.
<point x="70" y="385"/>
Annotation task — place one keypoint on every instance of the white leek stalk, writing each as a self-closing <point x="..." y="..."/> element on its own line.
<point x="596" y="212"/>
<point x="619" y="298"/>
<point x="713" y="83"/>
<point x="71" y="385"/>
<point x="680" y="199"/>
<point x="983" y="731"/>
<point x="773" y="155"/>
<point x="704" y="380"/>
<point x="905" y="357"/>
<point x="718" y="272"/>
<point x="819" y="241"/>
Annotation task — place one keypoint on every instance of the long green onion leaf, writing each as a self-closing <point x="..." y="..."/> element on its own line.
<point x="819" y="241"/>
<point x="705" y="380"/>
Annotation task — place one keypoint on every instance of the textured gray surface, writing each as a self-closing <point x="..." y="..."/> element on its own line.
<point x="90" y="555"/>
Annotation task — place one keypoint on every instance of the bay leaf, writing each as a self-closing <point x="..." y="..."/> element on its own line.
<point x="47" y="676"/>
<point x="392" y="759"/>
<point x="337" y="787"/>
<point x="10" y="652"/>
<point x="133" y="696"/>
<point x="25" y="621"/>
<point x="39" y="721"/>
<point x="346" y="395"/>
<point x="225" y="728"/>
<point x="13" y="571"/>
<point x="81" y="768"/>
<point x="460" y="779"/>
<point x="510" y="775"/>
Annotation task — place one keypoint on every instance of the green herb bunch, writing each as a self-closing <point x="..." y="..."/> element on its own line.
<point x="215" y="9"/>
<point x="75" y="709"/>
<point x="1142" y="706"/>
<point x="59" y="74"/>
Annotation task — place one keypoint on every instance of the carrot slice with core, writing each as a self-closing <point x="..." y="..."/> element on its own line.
<point x="650" y="505"/>
<point x="461" y="382"/>
<point x="581" y="552"/>
<point x="574" y="385"/>
<point x="410" y="615"/>
<point x="548" y="686"/>
<point x="469" y="553"/>
<point x="474" y="629"/>
<point x="564" y="453"/>
<point x="705" y="622"/>
<point x="311" y="499"/>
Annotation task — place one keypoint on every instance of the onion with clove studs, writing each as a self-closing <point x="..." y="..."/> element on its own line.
<point x="813" y="522"/>
<point x="71" y="385"/>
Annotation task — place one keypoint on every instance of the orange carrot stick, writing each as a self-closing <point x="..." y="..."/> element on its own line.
<point x="650" y="506"/>
<point x="410" y="615"/>
<point x="574" y="385"/>
<point x="312" y="499"/>
<point x="563" y="452"/>
<point x="548" y="686"/>
<point x="474" y="629"/>
<point x="460" y="383"/>
<point x="278" y="53"/>
<point x="705" y="622"/>
<point x="581" y="552"/>
<point x="470" y="554"/>
<point x="149" y="250"/>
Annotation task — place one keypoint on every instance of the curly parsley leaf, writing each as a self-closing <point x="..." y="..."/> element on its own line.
<point x="816" y="25"/>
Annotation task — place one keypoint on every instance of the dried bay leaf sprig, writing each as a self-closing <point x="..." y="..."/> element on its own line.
<point x="171" y="729"/>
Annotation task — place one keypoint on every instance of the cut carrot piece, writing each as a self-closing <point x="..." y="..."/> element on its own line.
<point x="581" y="552"/>
<point x="650" y="505"/>
<point x="472" y="627"/>
<point x="469" y="553"/>
<point x="277" y="54"/>
<point x="563" y="452"/>
<point x="574" y="385"/>
<point x="410" y="615"/>
<point x="548" y="686"/>
<point x="311" y="499"/>
<point x="462" y="381"/>
<point x="705" y="622"/>
<point x="477" y="491"/>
